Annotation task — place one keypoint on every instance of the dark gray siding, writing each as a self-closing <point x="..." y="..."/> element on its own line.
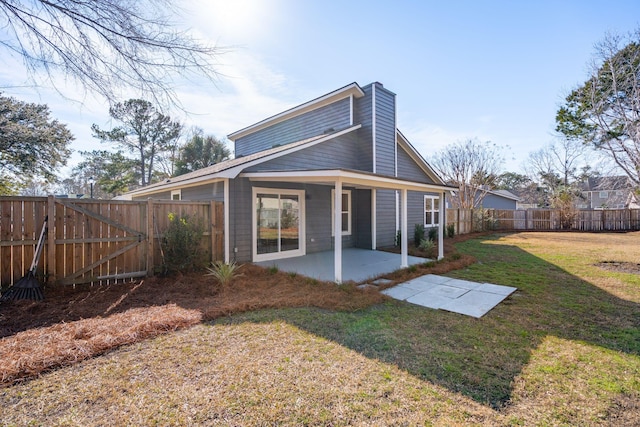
<point x="240" y="221"/>
<point x="341" y="152"/>
<point x="408" y="169"/>
<point x="165" y="195"/>
<point x="317" y="217"/>
<point x="491" y="201"/>
<point x="362" y="218"/>
<point x="415" y="211"/>
<point x="214" y="191"/>
<point x="385" y="217"/>
<point x="385" y="130"/>
<point x="316" y="122"/>
<point x="363" y="115"/>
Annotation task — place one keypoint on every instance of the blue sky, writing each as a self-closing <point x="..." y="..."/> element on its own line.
<point x="495" y="70"/>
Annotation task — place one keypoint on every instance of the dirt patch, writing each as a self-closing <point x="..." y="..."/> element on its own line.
<point x="620" y="266"/>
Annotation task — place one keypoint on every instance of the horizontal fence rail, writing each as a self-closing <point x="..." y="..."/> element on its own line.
<point x="472" y="220"/>
<point x="96" y="241"/>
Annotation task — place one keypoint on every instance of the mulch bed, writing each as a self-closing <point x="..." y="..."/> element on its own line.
<point x="75" y="323"/>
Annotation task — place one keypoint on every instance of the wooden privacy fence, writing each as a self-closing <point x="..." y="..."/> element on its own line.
<point x="468" y="220"/>
<point x="96" y="241"/>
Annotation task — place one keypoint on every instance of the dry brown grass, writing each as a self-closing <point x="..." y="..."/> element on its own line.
<point x="243" y="374"/>
<point x="71" y="325"/>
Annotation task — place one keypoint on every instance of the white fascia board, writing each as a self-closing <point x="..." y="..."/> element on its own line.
<point x="236" y="170"/>
<point x="352" y="89"/>
<point x="347" y="177"/>
<point x="193" y="182"/>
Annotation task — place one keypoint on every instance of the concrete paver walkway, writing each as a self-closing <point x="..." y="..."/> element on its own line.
<point x="444" y="293"/>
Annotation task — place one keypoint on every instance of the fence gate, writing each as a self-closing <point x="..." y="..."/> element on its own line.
<point x="96" y="241"/>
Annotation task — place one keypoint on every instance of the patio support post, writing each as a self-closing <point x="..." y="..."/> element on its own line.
<point x="441" y="222"/>
<point x="337" y="232"/>
<point x="404" y="263"/>
<point x="227" y="248"/>
<point x="374" y="229"/>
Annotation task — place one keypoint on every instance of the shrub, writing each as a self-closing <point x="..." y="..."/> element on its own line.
<point x="418" y="234"/>
<point x="433" y="233"/>
<point x="180" y="244"/>
<point x="223" y="272"/>
<point x="427" y="246"/>
<point x="451" y="230"/>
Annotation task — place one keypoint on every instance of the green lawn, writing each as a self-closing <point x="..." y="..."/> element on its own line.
<point x="563" y="350"/>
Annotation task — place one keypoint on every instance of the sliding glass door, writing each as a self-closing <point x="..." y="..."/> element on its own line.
<point x="278" y="223"/>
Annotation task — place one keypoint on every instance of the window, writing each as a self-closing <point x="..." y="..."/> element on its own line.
<point x="346" y="212"/>
<point x="603" y="194"/>
<point x="431" y="211"/>
<point x="176" y="194"/>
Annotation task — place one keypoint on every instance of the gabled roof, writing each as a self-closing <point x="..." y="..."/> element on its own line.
<point x="232" y="168"/>
<point x="352" y="89"/>
<point x="602" y="183"/>
<point x="504" y="193"/>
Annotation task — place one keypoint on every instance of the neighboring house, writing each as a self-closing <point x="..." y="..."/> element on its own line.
<point x="493" y="199"/>
<point x="500" y="199"/>
<point x="612" y="192"/>
<point x="333" y="172"/>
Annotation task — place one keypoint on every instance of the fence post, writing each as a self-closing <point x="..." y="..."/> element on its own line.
<point x="51" y="239"/>
<point x="150" y="238"/>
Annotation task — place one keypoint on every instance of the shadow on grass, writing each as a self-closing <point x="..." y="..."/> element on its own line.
<point x="479" y="358"/>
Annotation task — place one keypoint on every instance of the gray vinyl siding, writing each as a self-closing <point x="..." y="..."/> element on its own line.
<point x="317" y="217"/>
<point x="408" y="169"/>
<point x="165" y="195"/>
<point x="415" y="211"/>
<point x="492" y="201"/>
<point x="385" y="131"/>
<point x="341" y="152"/>
<point x="213" y="191"/>
<point x="385" y="217"/>
<point x="362" y="218"/>
<point x="363" y="115"/>
<point x="313" y="123"/>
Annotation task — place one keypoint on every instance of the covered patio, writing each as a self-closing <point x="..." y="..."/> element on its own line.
<point x="358" y="265"/>
<point x="333" y="265"/>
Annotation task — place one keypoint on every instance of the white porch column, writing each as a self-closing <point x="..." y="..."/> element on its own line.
<point x="442" y="220"/>
<point x="337" y="231"/>
<point x="374" y="219"/>
<point x="227" y="248"/>
<point x="404" y="263"/>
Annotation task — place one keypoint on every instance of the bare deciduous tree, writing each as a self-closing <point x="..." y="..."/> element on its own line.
<point x="470" y="165"/>
<point x="105" y="45"/>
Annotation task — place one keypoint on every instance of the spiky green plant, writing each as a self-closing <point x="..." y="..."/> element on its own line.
<point x="223" y="272"/>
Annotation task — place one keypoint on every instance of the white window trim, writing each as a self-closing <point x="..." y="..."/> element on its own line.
<point x="277" y="255"/>
<point x="176" y="193"/>
<point x="603" y="194"/>
<point x="348" y="211"/>
<point x="433" y="210"/>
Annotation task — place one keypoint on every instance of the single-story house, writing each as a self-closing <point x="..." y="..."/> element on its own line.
<point x="330" y="173"/>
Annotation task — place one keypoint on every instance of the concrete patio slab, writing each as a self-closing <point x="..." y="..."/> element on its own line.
<point x="459" y="296"/>
<point x="400" y="292"/>
<point x="496" y="289"/>
<point x="474" y="303"/>
<point x="447" y="291"/>
<point x="428" y="300"/>
<point x="358" y="265"/>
